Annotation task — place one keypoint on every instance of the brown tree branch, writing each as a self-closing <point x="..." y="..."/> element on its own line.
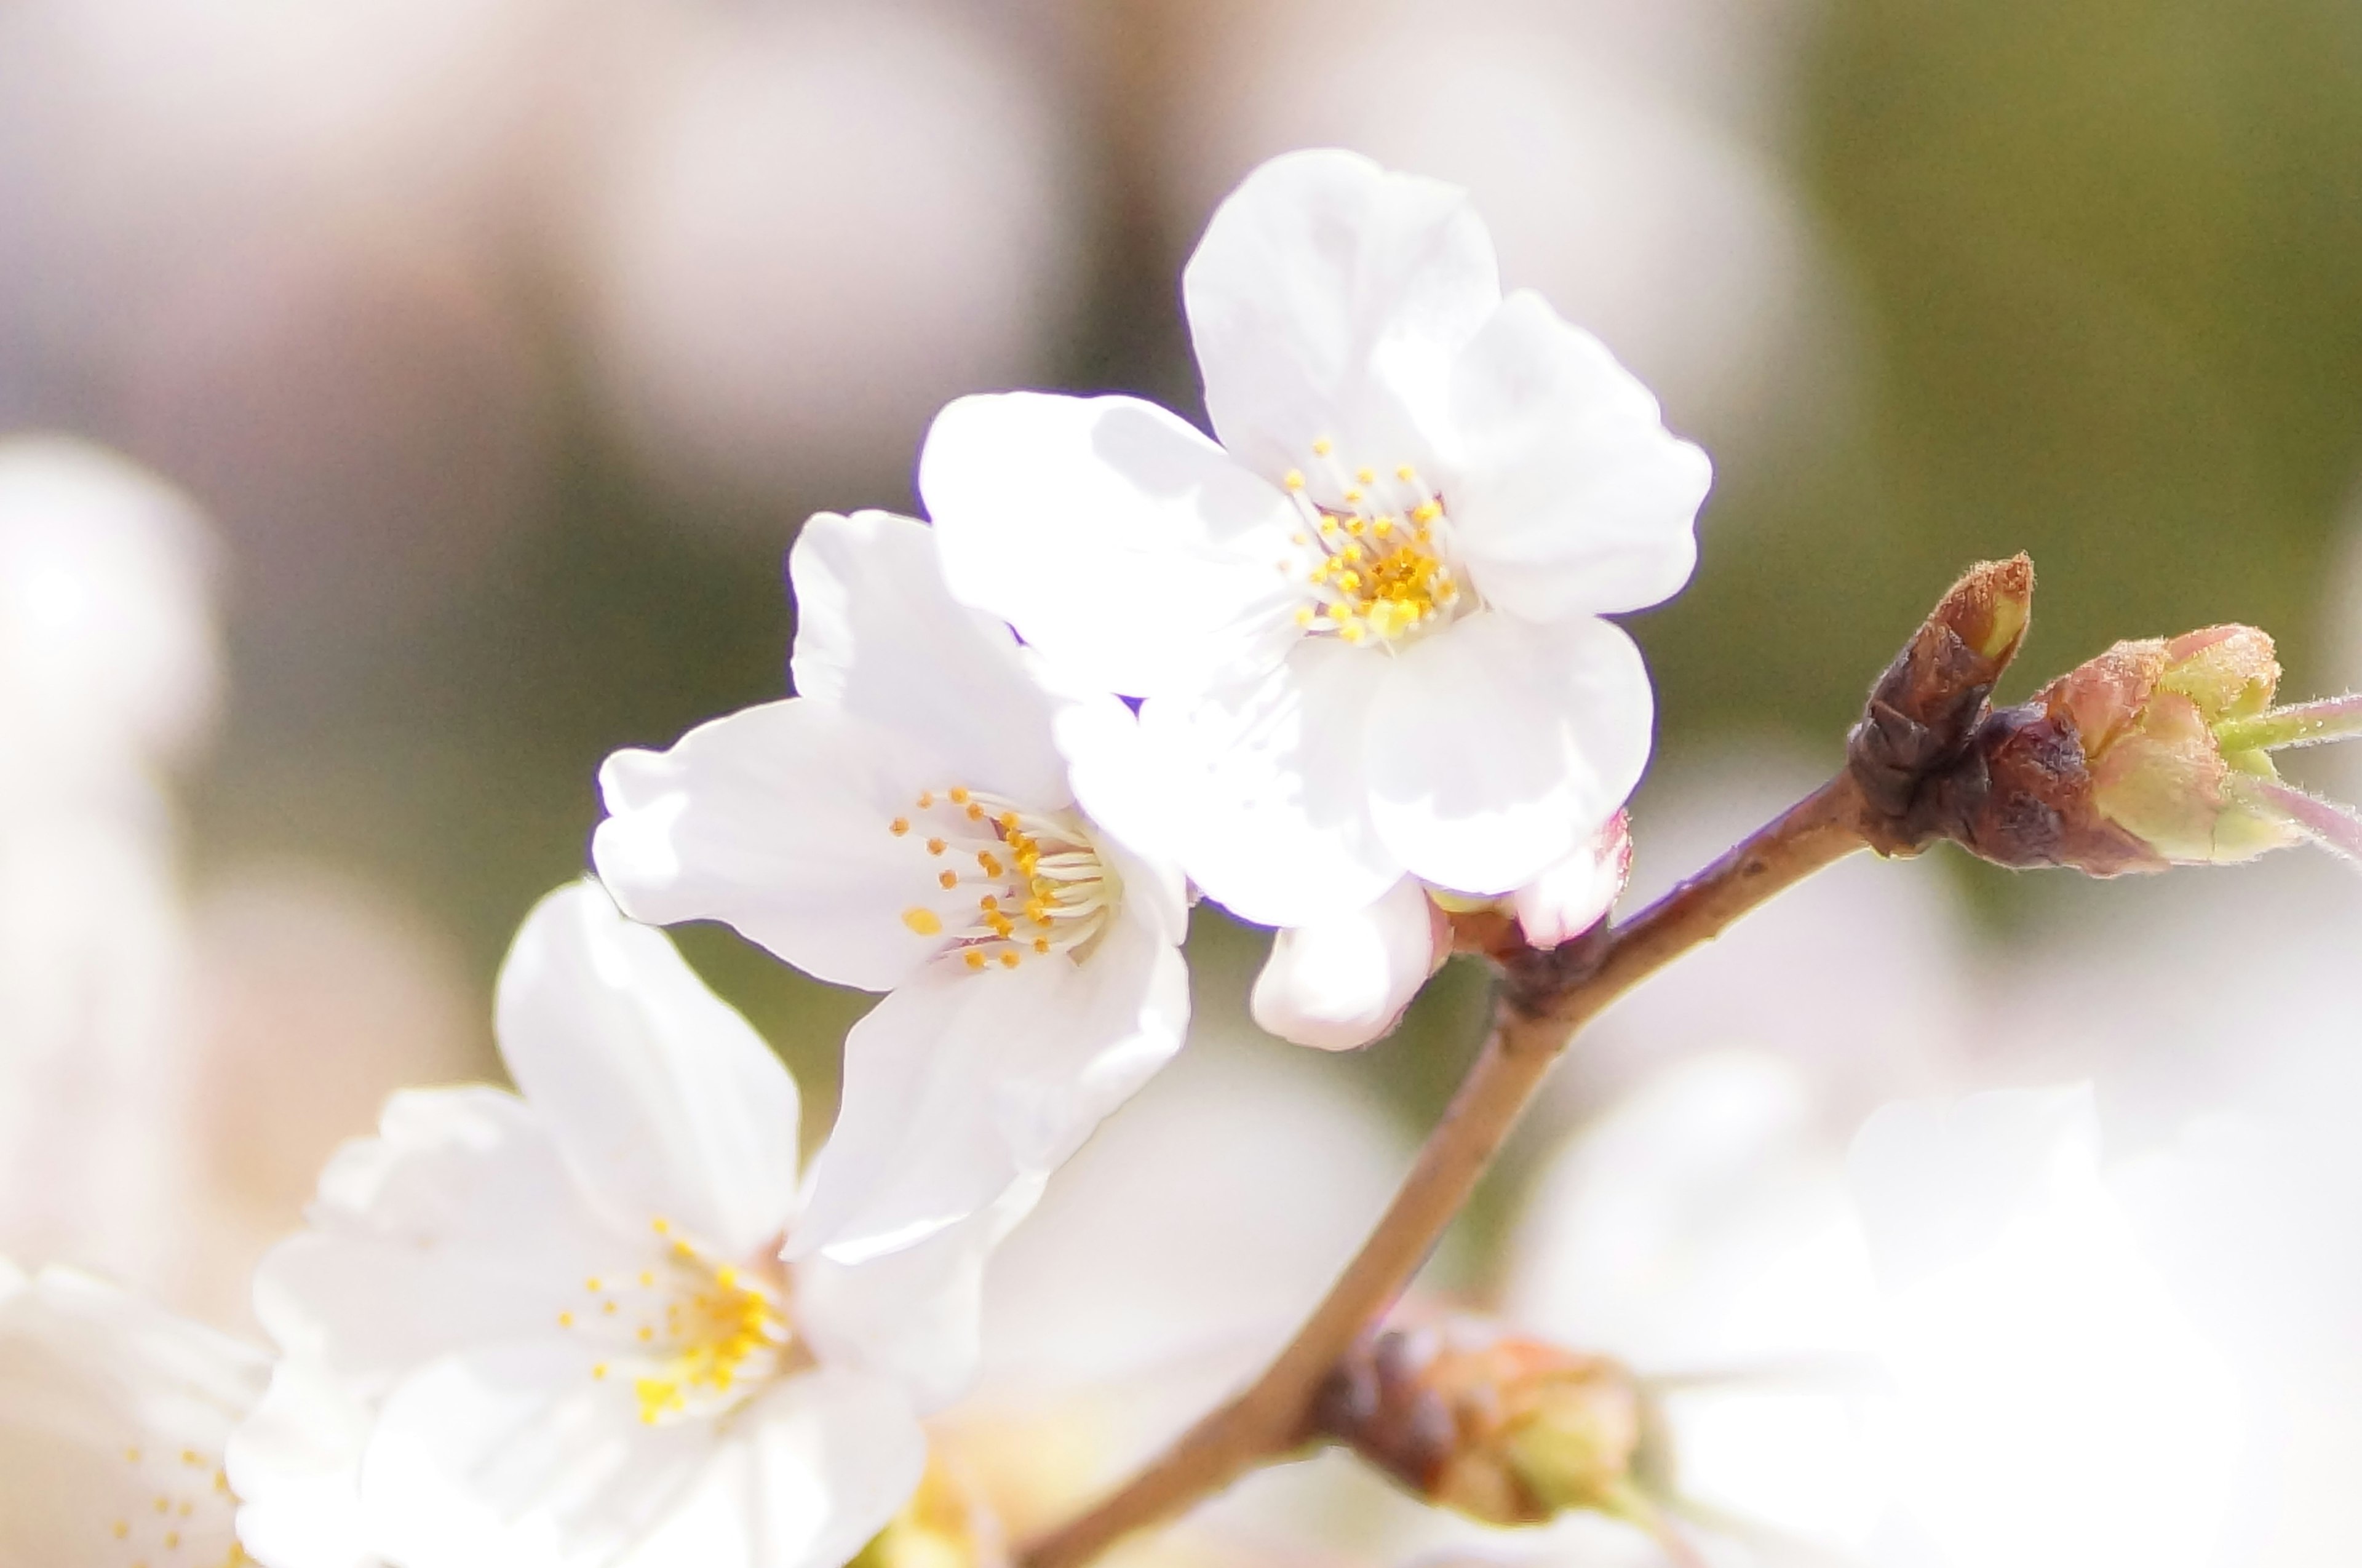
<point x="1546" y="996"/>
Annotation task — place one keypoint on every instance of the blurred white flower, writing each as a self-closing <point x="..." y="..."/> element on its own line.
<point x="114" y="1417"/>
<point x="107" y="675"/>
<point x="908" y="824"/>
<point x="2055" y="1404"/>
<point x="565" y="1314"/>
<point x="810" y="224"/>
<point x="1368" y="625"/>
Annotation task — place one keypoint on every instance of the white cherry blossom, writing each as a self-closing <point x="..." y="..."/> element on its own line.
<point x="114" y="1417"/>
<point x="908" y="823"/>
<point x="1368" y="625"/>
<point x="561" y="1314"/>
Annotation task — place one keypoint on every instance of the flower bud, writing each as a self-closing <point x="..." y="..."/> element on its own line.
<point x="2120" y="765"/>
<point x="1574" y="895"/>
<point x="1345" y="982"/>
<point x="1504" y="1429"/>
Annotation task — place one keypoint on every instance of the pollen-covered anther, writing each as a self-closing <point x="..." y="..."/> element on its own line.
<point x="1042" y="866"/>
<point x="1372" y="578"/>
<point x="695" y="1336"/>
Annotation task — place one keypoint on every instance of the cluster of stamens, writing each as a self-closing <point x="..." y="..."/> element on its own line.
<point x="1378" y="563"/>
<point x="1040" y="886"/>
<point x="696" y="1336"/>
<point x="188" y="1519"/>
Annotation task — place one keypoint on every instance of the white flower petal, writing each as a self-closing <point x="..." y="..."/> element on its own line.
<point x="1327" y="299"/>
<point x="515" y="1453"/>
<point x="1123" y="786"/>
<point x="660" y="1097"/>
<point x="458" y="1223"/>
<point x="295" y="1466"/>
<point x="1498" y="747"/>
<point x="1345" y="981"/>
<point x="1271" y="775"/>
<point x="778" y="819"/>
<point x="108" y="1403"/>
<point x="1567" y="494"/>
<point x="1133" y="552"/>
<point x="879" y="635"/>
<point x="911" y="1316"/>
<point x="961" y="1084"/>
<point x="812" y="1472"/>
<point x="1574" y="895"/>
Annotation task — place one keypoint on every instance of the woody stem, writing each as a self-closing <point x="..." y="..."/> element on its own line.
<point x="1546" y="996"/>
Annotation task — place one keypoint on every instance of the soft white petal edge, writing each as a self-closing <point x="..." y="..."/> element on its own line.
<point x="1498" y="747"/>
<point x="1345" y="982"/>
<point x="1118" y="540"/>
<point x="661" y="1098"/>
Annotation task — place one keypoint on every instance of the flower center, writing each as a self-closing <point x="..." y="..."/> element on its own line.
<point x="184" y="1515"/>
<point x="1378" y="561"/>
<point x="696" y="1336"/>
<point x="1022" y="884"/>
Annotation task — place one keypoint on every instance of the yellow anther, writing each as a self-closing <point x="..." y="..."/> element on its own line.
<point x="959" y="796"/>
<point x="1303" y="616"/>
<point x="608" y="1307"/>
<point x="593" y="1285"/>
<point x="1353" y="498"/>
<point x="990" y="902"/>
<point x="599" y="1370"/>
<point x="1008" y="820"/>
<point x="661" y="1227"/>
<point x="1009" y="957"/>
<point x="949" y="879"/>
<point x="899" y="826"/>
<point x="926" y="799"/>
<point x="1042" y="945"/>
<point x="1382" y="526"/>
<point x="565" y="1320"/>
<point x="974" y="812"/>
<point x="122" y="1528"/>
<point x="1365" y="476"/>
<point x="975" y="959"/>
<point x="936" y="847"/>
<point x="922" y="921"/>
<point x="648" y="1280"/>
<point x="1321" y="447"/>
<point x="1406" y="473"/>
<point x="132" y="1454"/>
<point x="171" y="1541"/>
<point x="646" y="1333"/>
<point x="990" y="862"/>
<point x="1294" y="479"/>
<point x="1426" y="512"/>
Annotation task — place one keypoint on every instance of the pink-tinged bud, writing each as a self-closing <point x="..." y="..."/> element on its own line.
<point x="2120" y="765"/>
<point x="1345" y="982"/>
<point x="1576" y="894"/>
<point x="1504" y="1429"/>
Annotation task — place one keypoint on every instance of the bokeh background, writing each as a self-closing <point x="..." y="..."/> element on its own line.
<point x="489" y="353"/>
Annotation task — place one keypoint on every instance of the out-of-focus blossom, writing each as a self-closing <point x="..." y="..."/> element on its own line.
<point x="1368" y="625"/>
<point x="114" y="1417"/>
<point x="2055" y="1405"/>
<point x="107" y="675"/>
<point x="565" y="1311"/>
<point x="812" y="224"/>
<point x="909" y="824"/>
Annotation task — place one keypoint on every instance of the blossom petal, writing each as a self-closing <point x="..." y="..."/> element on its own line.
<point x="1567" y="494"/>
<point x="911" y="1316"/>
<point x="659" y="1095"/>
<point x="1133" y="552"/>
<point x="878" y="634"/>
<point x="1271" y="774"/>
<point x="1498" y="746"/>
<point x="458" y="1223"/>
<point x="778" y="819"/>
<point x="1326" y="301"/>
<point x="1132" y="799"/>
<point x="514" y="1455"/>
<point x="1574" y="895"/>
<point x="961" y="1084"/>
<point x="1345" y="981"/>
<point x="295" y="1467"/>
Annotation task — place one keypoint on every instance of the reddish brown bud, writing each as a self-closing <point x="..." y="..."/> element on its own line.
<point x="1913" y="751"/>
<point x="1504" y="1429"/>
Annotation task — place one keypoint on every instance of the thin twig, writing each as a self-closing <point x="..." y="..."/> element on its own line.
<point x="1546" y="998"/>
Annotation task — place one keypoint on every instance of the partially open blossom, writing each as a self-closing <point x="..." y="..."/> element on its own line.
<point x="1368" y="625"/>
<point x="908" y="823"/>
<point x="114" y="1417"/>
<point x="564" y="1311"/>
<point x="2156" y="753"/>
